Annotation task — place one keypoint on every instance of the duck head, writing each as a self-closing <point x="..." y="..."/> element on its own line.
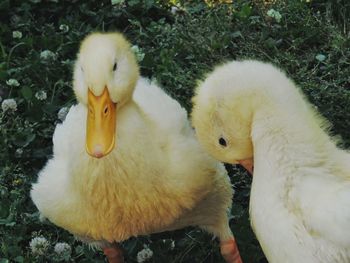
<point x="224" y="108"/>
<point x="105" y="75"/>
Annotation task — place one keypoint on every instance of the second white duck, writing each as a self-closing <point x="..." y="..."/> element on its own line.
<point x="300" y="195"/>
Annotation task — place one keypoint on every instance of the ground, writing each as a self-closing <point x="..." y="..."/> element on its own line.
<point x="178" y="42"/>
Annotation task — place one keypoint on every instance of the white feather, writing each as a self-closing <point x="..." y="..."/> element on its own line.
<point x="300" y="196"/>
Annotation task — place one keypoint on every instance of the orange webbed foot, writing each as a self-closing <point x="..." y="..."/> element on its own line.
<point x="114" y="254"/>
<point x="230" y="252"/>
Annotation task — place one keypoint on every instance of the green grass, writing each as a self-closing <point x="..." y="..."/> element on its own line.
<point x="179" y="49"/>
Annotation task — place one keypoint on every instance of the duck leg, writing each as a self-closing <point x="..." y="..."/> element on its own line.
<point x="229" y="251"/>
<point x="114" y="253"/>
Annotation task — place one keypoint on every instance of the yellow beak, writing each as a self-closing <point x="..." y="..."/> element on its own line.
<point x="101" y="124"/>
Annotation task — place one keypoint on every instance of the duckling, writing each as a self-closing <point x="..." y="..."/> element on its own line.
<point x="250" y="112"/>
<point x="125" y="160"/>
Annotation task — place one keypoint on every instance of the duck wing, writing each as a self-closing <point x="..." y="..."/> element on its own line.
<point x="161" y="108"/>
<point x="325" y="205"/>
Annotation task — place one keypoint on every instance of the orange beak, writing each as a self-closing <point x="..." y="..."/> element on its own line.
<point x="101" y="124"/>
<point x="248" y="164"/>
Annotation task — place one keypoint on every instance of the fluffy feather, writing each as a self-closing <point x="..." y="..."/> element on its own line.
<point x="156" y="178"/>
<point x="300" y="196"/>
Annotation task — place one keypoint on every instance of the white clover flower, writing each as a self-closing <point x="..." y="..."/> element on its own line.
<point x="174" y="10"/>
<point x="62" y="113"/>
<point x="9" y="104"/>
<point x="12" y="82"/>
<point x="274" y="14"/>
<point x="320" y="57"/>
<point x="138" y="53"/>
<point x="63" y="249"/>
<point x="117" y="2"/>
<point x="17" y="34"/>
<point x="19" y="151"/>
<point x="144" y="255"/>
<point x="39" y="245"/>
<point x="64" y="28"/>
<point x="47" y="55"/>
<point x="41" y="95"/>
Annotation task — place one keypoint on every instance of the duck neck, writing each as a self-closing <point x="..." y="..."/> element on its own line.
<point x="295" y="136"/>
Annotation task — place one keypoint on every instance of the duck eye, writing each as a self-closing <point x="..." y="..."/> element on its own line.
<point x="222" y="142"/>
<point x="115" y="66"/>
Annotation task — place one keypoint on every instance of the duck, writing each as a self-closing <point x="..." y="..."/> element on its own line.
<point x="126" y="161"/>
<point x="250" y="113"/>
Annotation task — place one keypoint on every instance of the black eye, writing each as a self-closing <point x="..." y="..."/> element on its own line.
<point x="115" y="66"/>
<point x="222" y="142"/>
<point x="106" y="110"/>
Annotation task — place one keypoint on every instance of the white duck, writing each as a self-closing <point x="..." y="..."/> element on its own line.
<point x="300" y="195"/>
<point x="150" y="174"/>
